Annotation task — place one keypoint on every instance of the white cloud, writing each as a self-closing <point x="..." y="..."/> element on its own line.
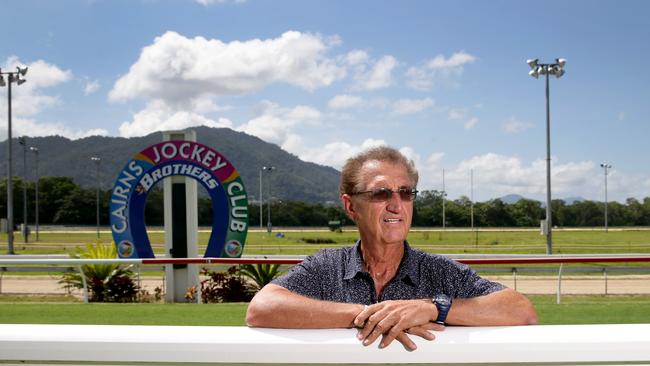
<point x="380" y="75"/>
<point x="176" y="68"/>
<point x="32" y="128"/>
<point x="158" y="116"/>
<point x="456" y="114"/>
<point x="438" y="69"/>
<point x="91" y="87"/>
<point x="458" y="59"/>
<point x="344" y="101"/>
<point x="469" y="124"/>
<point x="334" y="154"/>
<point x="275" y="124"/>
<point x="410" y="106"/>
<point x="356" y="57"/>
<point x="515" y="126"/>
<point x="498" y="175"/>
<point x="30" y="99"/>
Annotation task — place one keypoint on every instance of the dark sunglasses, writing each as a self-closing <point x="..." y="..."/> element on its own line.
<point x="385" y="194"/>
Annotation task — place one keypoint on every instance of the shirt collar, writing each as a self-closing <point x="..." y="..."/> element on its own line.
<point x="408" y="268"/>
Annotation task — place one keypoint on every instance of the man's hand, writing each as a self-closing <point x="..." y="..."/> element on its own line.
<point x="394" y="319"/>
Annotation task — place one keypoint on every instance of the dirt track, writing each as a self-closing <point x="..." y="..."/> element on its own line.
<point x="526" y="284"/>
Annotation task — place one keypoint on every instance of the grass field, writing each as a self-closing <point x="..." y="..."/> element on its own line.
<point x="573" y="310"/>
<point x="306" y="242"/>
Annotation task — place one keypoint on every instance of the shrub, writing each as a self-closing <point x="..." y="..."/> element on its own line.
<point x="106" y="282"/>
<point x="222" y="287"/>
<point x="260" y="273"/>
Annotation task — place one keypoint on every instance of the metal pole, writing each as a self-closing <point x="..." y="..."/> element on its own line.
<point x="269" y="226"/>
<point x="444" y="195"/>
<point x="549" y="220"/>
<point x="10" y="188"/>
<point x="25" y="234"/>
<point x="606" y="226"/>
<point x="471" y="203"/>
<point x="261" y="201"/>
<point x="97" y="193"/>
<point x="35" y="150"/>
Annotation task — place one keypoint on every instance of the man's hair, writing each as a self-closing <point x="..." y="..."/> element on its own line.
<point x="351" y="177"/>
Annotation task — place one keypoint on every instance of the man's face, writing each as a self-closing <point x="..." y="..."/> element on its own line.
<point x="382" y="222"/>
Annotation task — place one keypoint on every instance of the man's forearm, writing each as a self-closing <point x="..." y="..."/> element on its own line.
<point x="276" y="307"/>
<point x="505" y="307"/>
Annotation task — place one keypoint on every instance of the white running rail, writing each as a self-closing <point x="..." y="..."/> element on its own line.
<point x="121" y="344"/>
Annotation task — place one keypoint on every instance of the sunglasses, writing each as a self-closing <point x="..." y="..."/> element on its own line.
<point x="385" y="194"/>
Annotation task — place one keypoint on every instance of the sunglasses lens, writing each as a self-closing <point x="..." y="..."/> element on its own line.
<point x="407" y="194"/>
<point x="381" y="194"/>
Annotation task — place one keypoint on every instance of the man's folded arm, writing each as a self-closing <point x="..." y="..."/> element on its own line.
<point x="505" y="307"/>
<point x="276" y="307"/>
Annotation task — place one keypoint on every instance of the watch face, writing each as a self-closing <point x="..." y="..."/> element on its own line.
<point x="443" y="300"/>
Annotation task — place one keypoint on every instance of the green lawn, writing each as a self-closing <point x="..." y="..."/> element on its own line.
<point x="485" y="241"/>
<point x="573" y="310"/>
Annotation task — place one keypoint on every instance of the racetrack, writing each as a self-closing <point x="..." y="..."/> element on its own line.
<point x="532" y="285"/>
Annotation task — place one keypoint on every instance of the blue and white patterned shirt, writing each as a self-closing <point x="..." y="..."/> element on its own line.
<point x="338" y="275"/>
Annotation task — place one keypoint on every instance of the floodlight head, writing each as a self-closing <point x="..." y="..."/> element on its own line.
<point x="22" y="71"/>
<point x="2" y="81"/>
<point x="534" y="73"/>
<point x="558" y="72"/>
<point x="95" y="158"/>
<point x="532" y="63"/>
<point x="34" y="149"/>
<point x="561" y="62"/>
<point x="542" y="70"/>
<point x="20" y="81"/>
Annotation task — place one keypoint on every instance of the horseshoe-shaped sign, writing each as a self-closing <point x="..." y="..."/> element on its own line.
<point x="179" y="158"/>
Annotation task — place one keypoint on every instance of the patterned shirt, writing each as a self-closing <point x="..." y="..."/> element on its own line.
<point x="338" y="275"/>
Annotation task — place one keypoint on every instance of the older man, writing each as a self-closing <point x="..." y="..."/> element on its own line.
<point x="381" y="285"/>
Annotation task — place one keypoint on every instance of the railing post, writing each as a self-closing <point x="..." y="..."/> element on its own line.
<point x="559" y="284"/>
<point x="83" y="280"/>
<point x="514" y="276"/>
<point x="605" y="273"/>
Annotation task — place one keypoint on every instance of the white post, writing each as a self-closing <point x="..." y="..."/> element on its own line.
<point x="178" y="278"/>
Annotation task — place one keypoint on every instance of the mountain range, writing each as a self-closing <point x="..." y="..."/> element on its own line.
<point x="293" y="178"/>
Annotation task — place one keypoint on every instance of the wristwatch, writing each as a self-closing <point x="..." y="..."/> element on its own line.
<point x="443" y="303"/>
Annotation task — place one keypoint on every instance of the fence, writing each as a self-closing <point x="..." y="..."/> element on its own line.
<point x="175" y="345"/>
<point x="12" y="263"/>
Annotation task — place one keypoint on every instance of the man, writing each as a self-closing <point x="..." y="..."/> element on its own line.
<point x="381" y="285"/>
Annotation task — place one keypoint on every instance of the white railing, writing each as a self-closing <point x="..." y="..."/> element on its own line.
<point x="97" y="344"/>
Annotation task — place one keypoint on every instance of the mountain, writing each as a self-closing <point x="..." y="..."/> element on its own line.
<point x="514" y="198"/>
<point x="511" y="198"/>
<point x="294" y="179"/>
<point x="572" y="200"/>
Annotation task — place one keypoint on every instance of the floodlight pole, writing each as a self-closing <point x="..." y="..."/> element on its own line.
<point x="549" y="211"/>
<point x="444" y="195"/>
<point x="12" y="77"/>
<point x="23" y="141"/>
<point x="606" y="167"/>
<point x="269" y="226"/>
<point x="97" y="161"/>
<point x="261" y="201"/>
<point x="556" y="69"/>
<point x="35" y="150"/>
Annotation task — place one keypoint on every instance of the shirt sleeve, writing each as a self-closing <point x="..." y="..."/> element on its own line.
<point x="461" y="281"/>
<point x="304" y="278"/>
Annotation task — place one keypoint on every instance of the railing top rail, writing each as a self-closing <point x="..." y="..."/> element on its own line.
<point x="160" y="261"/>
<point x="530" y="345"/>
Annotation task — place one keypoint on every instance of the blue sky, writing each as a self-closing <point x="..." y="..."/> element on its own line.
<point x="446" y="82"/>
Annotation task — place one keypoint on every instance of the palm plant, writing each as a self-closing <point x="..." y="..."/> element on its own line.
<point x="106" y="282"/>
<point x="260" y="273"/>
